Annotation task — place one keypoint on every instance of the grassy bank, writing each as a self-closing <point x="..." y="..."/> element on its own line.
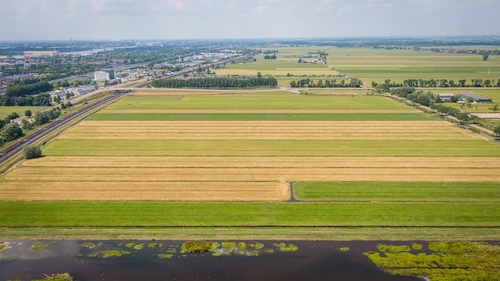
<point x="247" y="233"/>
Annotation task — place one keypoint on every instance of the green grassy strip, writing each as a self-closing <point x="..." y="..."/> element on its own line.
<point x="116" y="214"/>
<point x="271" y="148"/>
<point x="251" y="233"/>
<point x="396" y="191"/>
<point x="258" y="101"/>
<point x="262" y="117"/>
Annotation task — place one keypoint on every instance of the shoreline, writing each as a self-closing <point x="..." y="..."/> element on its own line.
<point x="251" y="233"/>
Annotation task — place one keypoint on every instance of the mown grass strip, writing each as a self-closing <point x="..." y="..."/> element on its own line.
<point x="396" y="191"/>
<point x="183" y="214"/>
<point x="251" y="233"/>
<point x="262" y="117"/>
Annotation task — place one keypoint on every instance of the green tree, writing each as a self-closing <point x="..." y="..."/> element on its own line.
<point x="486" y="56"/>
<point x="382" y="88"/>
<point x="64" y="83"/>
<point x="31" y="152"/>
<point x="11" y="132"/>
<point x="27" y="113"/>
<point x="259" y="75"/>
<point x="497" y="131"/>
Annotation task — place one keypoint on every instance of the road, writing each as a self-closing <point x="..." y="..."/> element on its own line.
<point x="17" y="147"/>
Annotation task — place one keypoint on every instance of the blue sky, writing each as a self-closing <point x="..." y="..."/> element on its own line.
<point x="189" y="19"/>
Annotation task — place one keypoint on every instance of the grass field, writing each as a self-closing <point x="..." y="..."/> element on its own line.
<point x="157" y="214"/>
<point x="377" y="148"/>
<point x="368" y="64"/>
<point x="257" y="101"/>
<point x="6" y="110"/>
<point x="352" y="116"/>
<point x="224" y="159"/>
<point x="397" y="191"/>
<point x="378" y="64"/>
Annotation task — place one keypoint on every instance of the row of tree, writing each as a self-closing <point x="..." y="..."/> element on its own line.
<point x="29" y="89"/>
<point x="216" y="83"/>
<point x="37" y="100"/>
<point x="270" y="57"/>
<point x="441" y="83"/>
<point x="309" y="83"/>
<point x="418" y="96"/>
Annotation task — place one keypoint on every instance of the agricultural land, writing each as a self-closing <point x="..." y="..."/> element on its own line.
<point x="6" y="110"/>
<point x="254" y="164"/>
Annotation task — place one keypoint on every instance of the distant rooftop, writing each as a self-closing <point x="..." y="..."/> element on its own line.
<point x="475" y="97"/>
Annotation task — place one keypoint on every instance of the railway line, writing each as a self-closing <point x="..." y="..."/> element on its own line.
<point x="17" y="147"/>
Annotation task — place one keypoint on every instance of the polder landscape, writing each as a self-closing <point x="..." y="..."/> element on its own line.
<point x="348" y="145"/>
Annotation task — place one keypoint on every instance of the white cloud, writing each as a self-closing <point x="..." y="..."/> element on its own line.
<point x="245" y="18"/>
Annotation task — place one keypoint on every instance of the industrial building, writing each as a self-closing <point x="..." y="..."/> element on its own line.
<point x="475" y="97"/>
<point x="446" y="97"/>
<point x="34" y="54"/>
<point x="104" y="75"/>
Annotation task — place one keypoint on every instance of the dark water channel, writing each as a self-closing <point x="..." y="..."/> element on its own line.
<point x="311" y="261"/>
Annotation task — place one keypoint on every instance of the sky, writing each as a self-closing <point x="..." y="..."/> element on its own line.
<point x="219" y="19"/>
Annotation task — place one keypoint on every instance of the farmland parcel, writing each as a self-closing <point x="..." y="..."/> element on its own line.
<point x="227" y="160"/>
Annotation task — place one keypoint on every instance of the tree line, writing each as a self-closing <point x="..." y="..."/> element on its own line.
<point x="309" y="83"/>
<point x="37" y="100"/>
<point x="216" y="83"/>
<point x="441" y="83"/>
<point x="28" y="89"/>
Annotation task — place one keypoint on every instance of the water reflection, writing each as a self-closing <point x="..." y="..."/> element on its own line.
<point x="312" y="261"/>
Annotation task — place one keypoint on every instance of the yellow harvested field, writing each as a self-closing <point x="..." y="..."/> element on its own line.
<point x="260" y="136"/>
<point x="158" y="191"/>
<point x="450" y="163"/>
<point x="265" y="130"/>
<point x="258" y="111"/>
<point x="252" y="174"/>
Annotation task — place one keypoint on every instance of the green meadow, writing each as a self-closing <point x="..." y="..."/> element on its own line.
<point x="185" y="214"/>
<point x="377" y="65"/>
<point x="6" y="110"/>
<point x="396" y="191"/>
<point x="262" y="117"/>
<point x="431" y="148"/>
<point x="258" y="101"/>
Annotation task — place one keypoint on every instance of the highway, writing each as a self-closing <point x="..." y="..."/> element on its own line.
<point x="18" y="146"/>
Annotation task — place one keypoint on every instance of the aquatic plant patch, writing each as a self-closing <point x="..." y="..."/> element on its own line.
<point x="441" y="261"/>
